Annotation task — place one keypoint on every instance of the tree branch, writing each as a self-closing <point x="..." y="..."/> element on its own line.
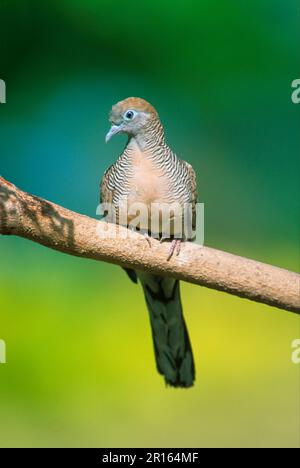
<point x="38" y="220"/>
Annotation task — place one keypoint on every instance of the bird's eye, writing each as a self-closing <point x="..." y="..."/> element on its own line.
<point x="129" y="115"/>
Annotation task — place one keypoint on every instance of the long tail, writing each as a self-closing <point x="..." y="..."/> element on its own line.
<point x="172" y="347"/>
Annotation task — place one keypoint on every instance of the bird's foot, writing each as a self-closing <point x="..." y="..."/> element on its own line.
<point x="174" y="247"/>
<point x="147" y="237"/>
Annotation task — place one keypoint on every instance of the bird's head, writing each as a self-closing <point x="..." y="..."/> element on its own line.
<point x="131" y="116"/>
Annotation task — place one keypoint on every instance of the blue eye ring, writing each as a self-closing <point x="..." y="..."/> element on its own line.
<point x="129" y="115"/>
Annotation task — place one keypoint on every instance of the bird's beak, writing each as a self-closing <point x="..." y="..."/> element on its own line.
<point x="114" y="129"/>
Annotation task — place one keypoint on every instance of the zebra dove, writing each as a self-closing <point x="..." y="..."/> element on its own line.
<point x="148" y="172"/>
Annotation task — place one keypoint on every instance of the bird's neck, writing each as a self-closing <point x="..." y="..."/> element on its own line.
<point x="149" y="139"/>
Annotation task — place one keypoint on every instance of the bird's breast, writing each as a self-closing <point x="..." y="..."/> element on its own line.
<point x="147" y="184"/>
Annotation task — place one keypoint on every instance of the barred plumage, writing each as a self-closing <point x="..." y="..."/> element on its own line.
<point x="149" y="172"/>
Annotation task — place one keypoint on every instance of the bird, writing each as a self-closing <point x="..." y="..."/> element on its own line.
<point x="149" y="172"/>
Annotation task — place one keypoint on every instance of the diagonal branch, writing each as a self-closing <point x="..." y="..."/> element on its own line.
<point x="38" y="220"/>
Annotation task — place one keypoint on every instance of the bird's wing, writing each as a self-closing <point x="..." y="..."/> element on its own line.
<point x="194" y="193"/>
<point x="106" y="194"/>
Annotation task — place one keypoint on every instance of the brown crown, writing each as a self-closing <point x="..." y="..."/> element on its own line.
<point x="134" y="103"/>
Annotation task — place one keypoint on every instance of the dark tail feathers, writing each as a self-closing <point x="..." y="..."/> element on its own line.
<point x="172" y="347"/>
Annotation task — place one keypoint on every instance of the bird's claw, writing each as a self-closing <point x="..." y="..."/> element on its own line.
<point x="147" y="237"/>
<point x="174" y="247"/>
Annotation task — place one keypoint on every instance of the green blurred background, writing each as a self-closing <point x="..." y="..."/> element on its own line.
<point x="80" y="368"/>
